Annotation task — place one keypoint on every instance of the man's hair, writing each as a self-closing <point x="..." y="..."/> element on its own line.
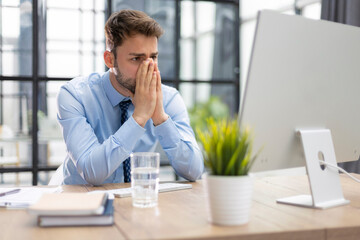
<point x="126" y="23"/>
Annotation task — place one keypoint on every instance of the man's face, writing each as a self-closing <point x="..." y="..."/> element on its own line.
<point x="130" y="55"/>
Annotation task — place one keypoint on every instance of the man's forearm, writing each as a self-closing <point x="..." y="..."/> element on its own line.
<point x="181" y="148"/>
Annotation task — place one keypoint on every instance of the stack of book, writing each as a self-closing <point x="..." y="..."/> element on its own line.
<point x="73" y="209"/>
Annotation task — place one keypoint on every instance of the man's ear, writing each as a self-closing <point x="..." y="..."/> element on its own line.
<point x="109" y="59"/>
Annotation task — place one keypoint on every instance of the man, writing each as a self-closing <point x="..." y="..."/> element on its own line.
<point x="93" y="110"/>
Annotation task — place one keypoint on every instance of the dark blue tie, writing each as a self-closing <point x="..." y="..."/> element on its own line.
<point x="124" y="105"/>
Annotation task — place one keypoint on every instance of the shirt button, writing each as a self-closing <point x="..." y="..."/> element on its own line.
<point x="160" y="137"/>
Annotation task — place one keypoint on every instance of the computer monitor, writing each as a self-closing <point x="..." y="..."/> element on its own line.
<point x="303" y="75"/>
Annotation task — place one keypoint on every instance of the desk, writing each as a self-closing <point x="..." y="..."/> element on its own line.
<point x="182" y="215"/>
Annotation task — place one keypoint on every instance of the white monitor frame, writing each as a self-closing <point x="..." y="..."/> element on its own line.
<point x="304" y="75"/>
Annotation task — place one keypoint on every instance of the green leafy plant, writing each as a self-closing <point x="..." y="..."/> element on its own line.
<point x="227" y="148"/>
<point x="214" y="107"/>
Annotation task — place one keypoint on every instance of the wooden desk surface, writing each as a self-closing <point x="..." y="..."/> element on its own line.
<point x="182" y="215"/>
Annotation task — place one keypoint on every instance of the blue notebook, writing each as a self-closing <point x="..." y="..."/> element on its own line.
<point x="106" y="218"/>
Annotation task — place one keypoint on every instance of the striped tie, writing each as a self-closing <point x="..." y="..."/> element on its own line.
<point x="124" y="105"/>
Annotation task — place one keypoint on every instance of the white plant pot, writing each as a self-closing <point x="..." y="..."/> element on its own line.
<point x="229" y="199"/>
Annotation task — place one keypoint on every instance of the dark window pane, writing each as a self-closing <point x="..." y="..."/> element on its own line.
<point x="208" y="47"/>
<point x="169" y="83"/>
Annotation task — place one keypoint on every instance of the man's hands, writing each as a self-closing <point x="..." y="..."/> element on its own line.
<point x="148" y="95"/>
<point x="159" y="115"/>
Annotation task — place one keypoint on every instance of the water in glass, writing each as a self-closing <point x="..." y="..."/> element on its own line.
<point x="145" y="184"/>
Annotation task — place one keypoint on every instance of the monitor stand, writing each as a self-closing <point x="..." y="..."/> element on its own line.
<point x="325" y="184"/>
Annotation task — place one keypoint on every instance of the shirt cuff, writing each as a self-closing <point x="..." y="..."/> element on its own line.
<point x="128" y="134"/>
<point x="168" y="133"/>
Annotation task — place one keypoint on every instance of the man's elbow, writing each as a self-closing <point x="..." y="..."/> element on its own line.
<point x="195" y="174"/>
<point x="192" y="179"/>
<point x="93" y="179"/>
<point x="91" y="172"/>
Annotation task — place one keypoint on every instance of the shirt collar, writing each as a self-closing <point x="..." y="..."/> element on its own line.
<point x="114" y="96"/>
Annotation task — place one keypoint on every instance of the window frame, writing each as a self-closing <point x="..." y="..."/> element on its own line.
<point x="37" y="77"/>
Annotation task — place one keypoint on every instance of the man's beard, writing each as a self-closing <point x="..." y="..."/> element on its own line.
<point x="127" y="83"/>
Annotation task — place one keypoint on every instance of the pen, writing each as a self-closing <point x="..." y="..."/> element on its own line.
<point x="10" y="192"/>
<point x="14" y="204"/>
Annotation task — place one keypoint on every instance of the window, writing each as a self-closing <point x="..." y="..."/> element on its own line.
<point x="68" y="41"/>
<point x="199" y="55"/>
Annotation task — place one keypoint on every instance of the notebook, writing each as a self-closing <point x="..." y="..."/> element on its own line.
<point x="106" y="218"/>
<point x="25" y="197"/>
<point x="69" y="204"/>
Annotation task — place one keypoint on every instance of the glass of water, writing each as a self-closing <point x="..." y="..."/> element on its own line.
<point x="145" y="179"/>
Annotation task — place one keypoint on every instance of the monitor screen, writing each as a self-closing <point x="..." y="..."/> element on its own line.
<point x="303" y="74"/>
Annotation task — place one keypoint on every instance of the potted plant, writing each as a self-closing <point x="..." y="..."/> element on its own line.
<point x="228" y="158"/>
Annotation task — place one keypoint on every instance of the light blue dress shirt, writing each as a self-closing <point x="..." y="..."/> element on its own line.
<point x="89" y="113"/>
